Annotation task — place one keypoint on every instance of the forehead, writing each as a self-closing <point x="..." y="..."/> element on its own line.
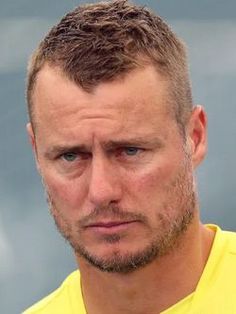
<point x="138" y="98"/>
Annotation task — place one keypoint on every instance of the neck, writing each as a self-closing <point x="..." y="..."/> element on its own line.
<point x="150" y="289"/>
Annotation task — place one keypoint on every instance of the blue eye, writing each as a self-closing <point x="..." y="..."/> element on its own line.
<point x="69" y="156"/>
<point x="131" y="151"/>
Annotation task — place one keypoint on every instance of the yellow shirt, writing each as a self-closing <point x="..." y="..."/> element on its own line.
<point x="215" y="292"/>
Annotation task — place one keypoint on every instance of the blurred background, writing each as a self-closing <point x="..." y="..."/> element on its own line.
<point x="34" y="259"/>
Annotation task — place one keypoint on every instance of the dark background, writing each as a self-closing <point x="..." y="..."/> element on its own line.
<point x="33" y="257"/>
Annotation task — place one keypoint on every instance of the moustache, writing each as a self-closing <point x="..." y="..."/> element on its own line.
<point x="110" y="212"/>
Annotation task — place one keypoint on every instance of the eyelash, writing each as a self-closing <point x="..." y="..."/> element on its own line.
<point x="129" y="151"/>
<point x="80" y="155"/>
<point x="68" y="155"/>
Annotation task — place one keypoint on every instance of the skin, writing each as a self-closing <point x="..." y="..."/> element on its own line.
<point x="119" y="178"/>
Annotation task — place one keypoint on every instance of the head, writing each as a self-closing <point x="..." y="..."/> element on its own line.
<point x="104" y="41"/>
<point x="115" y="135"/>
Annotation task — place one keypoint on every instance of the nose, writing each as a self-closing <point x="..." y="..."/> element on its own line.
<point x="104" y="183"/>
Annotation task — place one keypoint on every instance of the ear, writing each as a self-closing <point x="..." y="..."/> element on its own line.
<point x="197" y="134"/>
<point x="32" y="140"/>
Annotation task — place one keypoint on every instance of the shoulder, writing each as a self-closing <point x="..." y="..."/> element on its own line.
<point x="230" y="241"/>
<point x="223" y="257"/>
<point x="224" y="241"/>
<point x="216" y="289"/>
<point x="59" y="301"/>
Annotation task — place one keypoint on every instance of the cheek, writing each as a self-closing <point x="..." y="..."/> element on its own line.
<point x="155" y="178"/>
<point x="150" y="191"/>
<point x="66" y="194"/>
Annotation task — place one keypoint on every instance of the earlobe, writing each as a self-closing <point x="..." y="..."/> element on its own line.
<point x="198" y="134"/>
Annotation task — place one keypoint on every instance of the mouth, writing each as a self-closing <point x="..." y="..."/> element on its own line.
<point x="110" y="226"/>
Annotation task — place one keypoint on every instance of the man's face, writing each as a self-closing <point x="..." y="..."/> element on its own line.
<point x="117" y="171"/>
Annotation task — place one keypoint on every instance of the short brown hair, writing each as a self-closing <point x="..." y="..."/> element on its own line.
<point x="99" y="42"/>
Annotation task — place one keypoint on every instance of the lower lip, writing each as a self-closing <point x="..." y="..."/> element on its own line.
<point x="112" y="228"/>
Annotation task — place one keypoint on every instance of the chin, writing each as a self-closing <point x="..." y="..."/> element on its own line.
<point x="117" y="258"/>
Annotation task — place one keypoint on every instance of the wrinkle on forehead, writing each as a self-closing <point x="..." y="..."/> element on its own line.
<point x="147" y="78"/>
<point x="137" y="101"/>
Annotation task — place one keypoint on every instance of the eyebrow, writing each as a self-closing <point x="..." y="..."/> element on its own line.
<point x="60" y="149"/>
<point x="108" y="146"/>
<point x="132" y="142"/>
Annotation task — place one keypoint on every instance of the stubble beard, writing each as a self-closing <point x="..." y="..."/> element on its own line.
<point x="167" y="235"/>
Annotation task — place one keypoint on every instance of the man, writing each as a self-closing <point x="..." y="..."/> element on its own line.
<point x="116" y="140"/>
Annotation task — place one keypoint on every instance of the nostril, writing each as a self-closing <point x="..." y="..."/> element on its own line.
<point x="103" y="193"/>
